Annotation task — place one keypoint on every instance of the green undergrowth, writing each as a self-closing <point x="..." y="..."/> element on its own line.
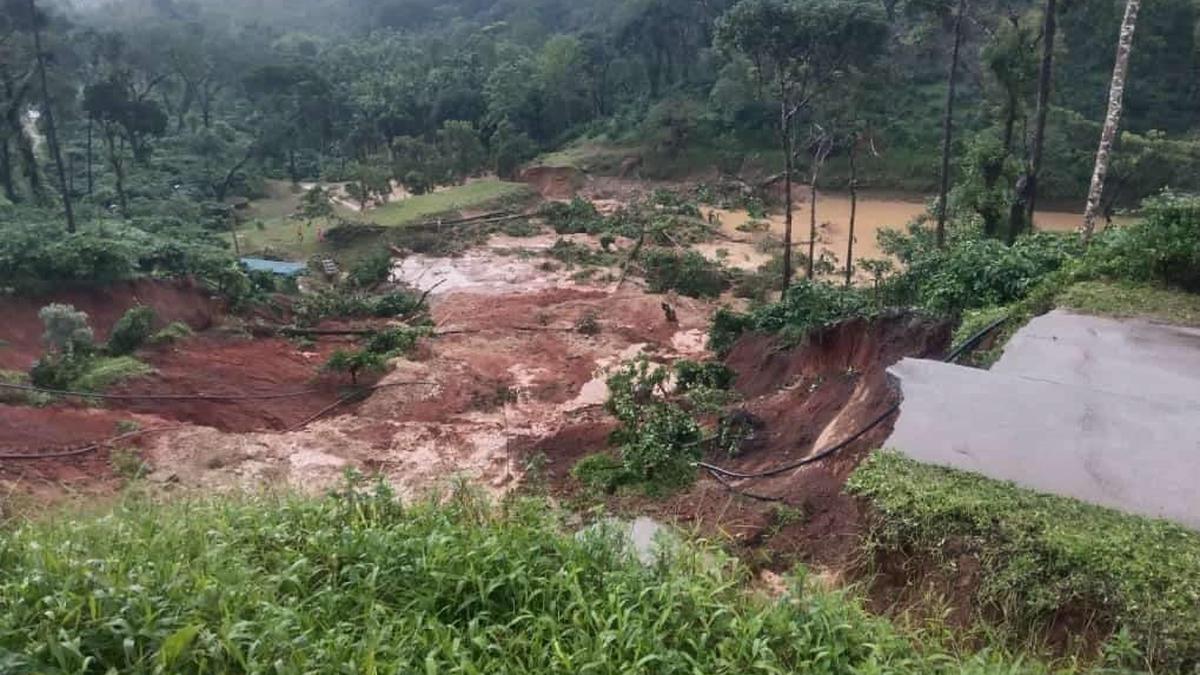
<point x="1133" y="300"/>
<point x="356" y="582"/>
<point x="1121" y="299"/>
<point x="1043" y="554"/>
<point x="106" y="371"/>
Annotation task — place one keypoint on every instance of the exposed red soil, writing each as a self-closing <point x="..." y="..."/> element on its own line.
<point x="21" y="331"/>
<point x="230" y="366"/>
<point x="25" y="430"/>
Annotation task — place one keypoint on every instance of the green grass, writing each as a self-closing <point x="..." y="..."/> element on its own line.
<point x="1107" y="298"/>
<point x="271" y="228"/>
<point x="590" y="155"/>
<point x="18" y="397"/>
<point x="472" y="195"/>
<point x="360" y="583"/>
<point x="106" y="371"/>
<point x="1133" y="300"/>
<point x="1041" y="554"/>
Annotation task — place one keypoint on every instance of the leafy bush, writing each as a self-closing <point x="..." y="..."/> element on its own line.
<point x="372" y="270"/>
<point x="355" y="363"/>
<point x="1163" y="247"/>
<point x="66" y="329"/>
<point x="174" y="332"/>
<point x="691" y="375"/>
<point x="574" y="217"/>
<point x="972" y="271"/>
<point x="131" y="331"/>
<point x="268" y="583"/>
<point x="312" y="309"/>
<point x="659" y="442"/>
<point x="688" y="273"/>
<point x="1041" y="554"/>
<point x="806" y="306"/>
<point x="395" y="341"/>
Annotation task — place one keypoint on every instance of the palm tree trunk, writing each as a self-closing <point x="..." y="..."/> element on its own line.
<point x="948" y="125"/>
<point x="1116" y="99"/>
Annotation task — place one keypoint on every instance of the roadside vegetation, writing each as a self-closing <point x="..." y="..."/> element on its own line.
<point x="258" y="583"/>
<point x="1132" y="581"/>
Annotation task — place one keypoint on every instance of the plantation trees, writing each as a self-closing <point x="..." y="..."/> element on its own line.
<point x="799" y="47"/>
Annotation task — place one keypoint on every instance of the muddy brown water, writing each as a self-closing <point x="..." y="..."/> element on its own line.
<point x="876" y="211"/>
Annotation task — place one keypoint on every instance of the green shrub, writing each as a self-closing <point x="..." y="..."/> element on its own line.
<point x="1042" y="555"/>
<point x="174" y="332"/>
<point x="691" y="375"/>
<point x="131" y="331"/>
<point x="66" y="329"/>
<point x="574" y="217"/>
<point x="314" y="308"/>
<point x="103" y="372"/>
<point x="355" y="363"/>
<point x="395" y="341"/>
<point x="659" y="442"/>
<point x="372" y="270"/>
<point x="972" y="271"/>
<point x="1163" y="247"/>
<point x="359" y="582"/>
<point x="688" y="273"/>
<point x="807" y="305"/>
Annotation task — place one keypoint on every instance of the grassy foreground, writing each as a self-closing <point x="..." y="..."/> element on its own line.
<point x="361" y="584"/>
<point x="1042" y="554"/>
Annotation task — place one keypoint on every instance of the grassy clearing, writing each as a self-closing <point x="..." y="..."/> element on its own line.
<point x="472" y="195"/>
<point x="1133" y="300"/>
<point x="359" y="583"/>
<point x="271" y="227"/>
<point x="1043" y="554"/>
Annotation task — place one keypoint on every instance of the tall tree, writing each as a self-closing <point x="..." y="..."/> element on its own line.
<point x="1112" y="122"/>
<point x="948" y="124"/>
<point x="799" y="47"/>
<point x="1025" y="203"/>
<point x="48" y="110"/>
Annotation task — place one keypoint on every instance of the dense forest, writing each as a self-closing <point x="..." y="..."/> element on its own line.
<point x="153" y="116"/>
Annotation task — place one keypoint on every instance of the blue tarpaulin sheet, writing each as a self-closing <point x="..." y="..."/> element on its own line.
<point x="282" y="268"/>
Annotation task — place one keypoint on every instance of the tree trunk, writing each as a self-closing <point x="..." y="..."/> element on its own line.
<point x="33" y="173"/>
<point x="820" y="154"/>
<point x="948" y="125"/>
<point x="853" y="210"/>
<point x="1026" y="201"/>
<point x="1010" y="122"/>
<point x="6" y="178"/>
<point x="48" y="111"/>
<point x="785" y="131"/>
<point x="90" y="181"/>
<point x="812" y="226"/>
<point x="1116" y="99"/>
<point x="118" y="166"/>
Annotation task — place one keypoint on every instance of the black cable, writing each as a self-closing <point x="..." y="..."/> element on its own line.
<point x="953" y="356"/>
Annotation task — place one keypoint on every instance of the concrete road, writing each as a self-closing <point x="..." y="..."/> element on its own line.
<point x="1100" y="410"/>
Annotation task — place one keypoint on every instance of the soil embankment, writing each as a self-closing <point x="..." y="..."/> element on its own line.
<point x="21" y="334"/>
